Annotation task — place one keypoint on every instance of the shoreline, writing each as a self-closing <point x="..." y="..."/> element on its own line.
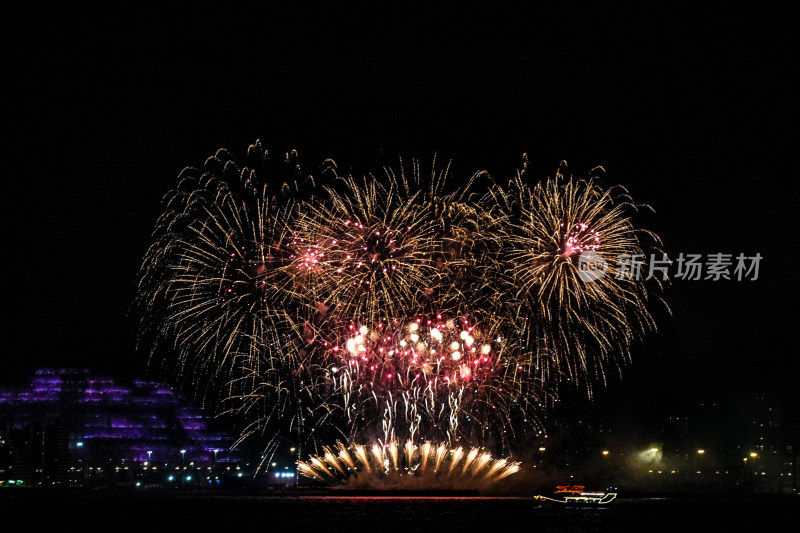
<point x="158" y="492"/>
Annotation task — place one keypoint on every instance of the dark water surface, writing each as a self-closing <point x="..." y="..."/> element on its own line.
<point x="192" y="512"/>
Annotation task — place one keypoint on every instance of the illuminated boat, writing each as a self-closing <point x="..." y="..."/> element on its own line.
<point x="578" y="495"/>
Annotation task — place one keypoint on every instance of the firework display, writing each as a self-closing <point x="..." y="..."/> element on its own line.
<point x="578" y="326"/>
<point x="408" y="466"/>
<point x="444" y="375"/>
<point x="213" y="283"/>
<point x="367" y="252"/>
<point x="394" y="309"/>
<point x="216" y="285"/>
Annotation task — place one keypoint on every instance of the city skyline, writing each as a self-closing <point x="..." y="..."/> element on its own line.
<point x="70" y="427"/>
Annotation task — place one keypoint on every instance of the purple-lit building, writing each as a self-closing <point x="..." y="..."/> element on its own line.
<point x="69" y="421"/>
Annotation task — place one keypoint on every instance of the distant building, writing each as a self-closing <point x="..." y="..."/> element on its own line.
<point x="70" y="426"/>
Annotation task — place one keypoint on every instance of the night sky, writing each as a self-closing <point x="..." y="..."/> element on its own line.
<point x="690" y="111"/>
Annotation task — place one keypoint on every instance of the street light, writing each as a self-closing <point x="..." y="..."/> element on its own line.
<point x="699" y="462"/>
<point x="214" y="466"/>
<point x="183" y="458"/>
<point x="292" y="450"/>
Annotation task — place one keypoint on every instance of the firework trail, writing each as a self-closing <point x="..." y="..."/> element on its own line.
<point x="389" y="465"/>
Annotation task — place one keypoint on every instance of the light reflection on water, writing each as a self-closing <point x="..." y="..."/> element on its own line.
<point x="377" y="514"/>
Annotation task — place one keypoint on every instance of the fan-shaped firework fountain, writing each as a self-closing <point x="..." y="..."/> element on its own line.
<point x="387" y="308"/>
<point x="410" y="466"/>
